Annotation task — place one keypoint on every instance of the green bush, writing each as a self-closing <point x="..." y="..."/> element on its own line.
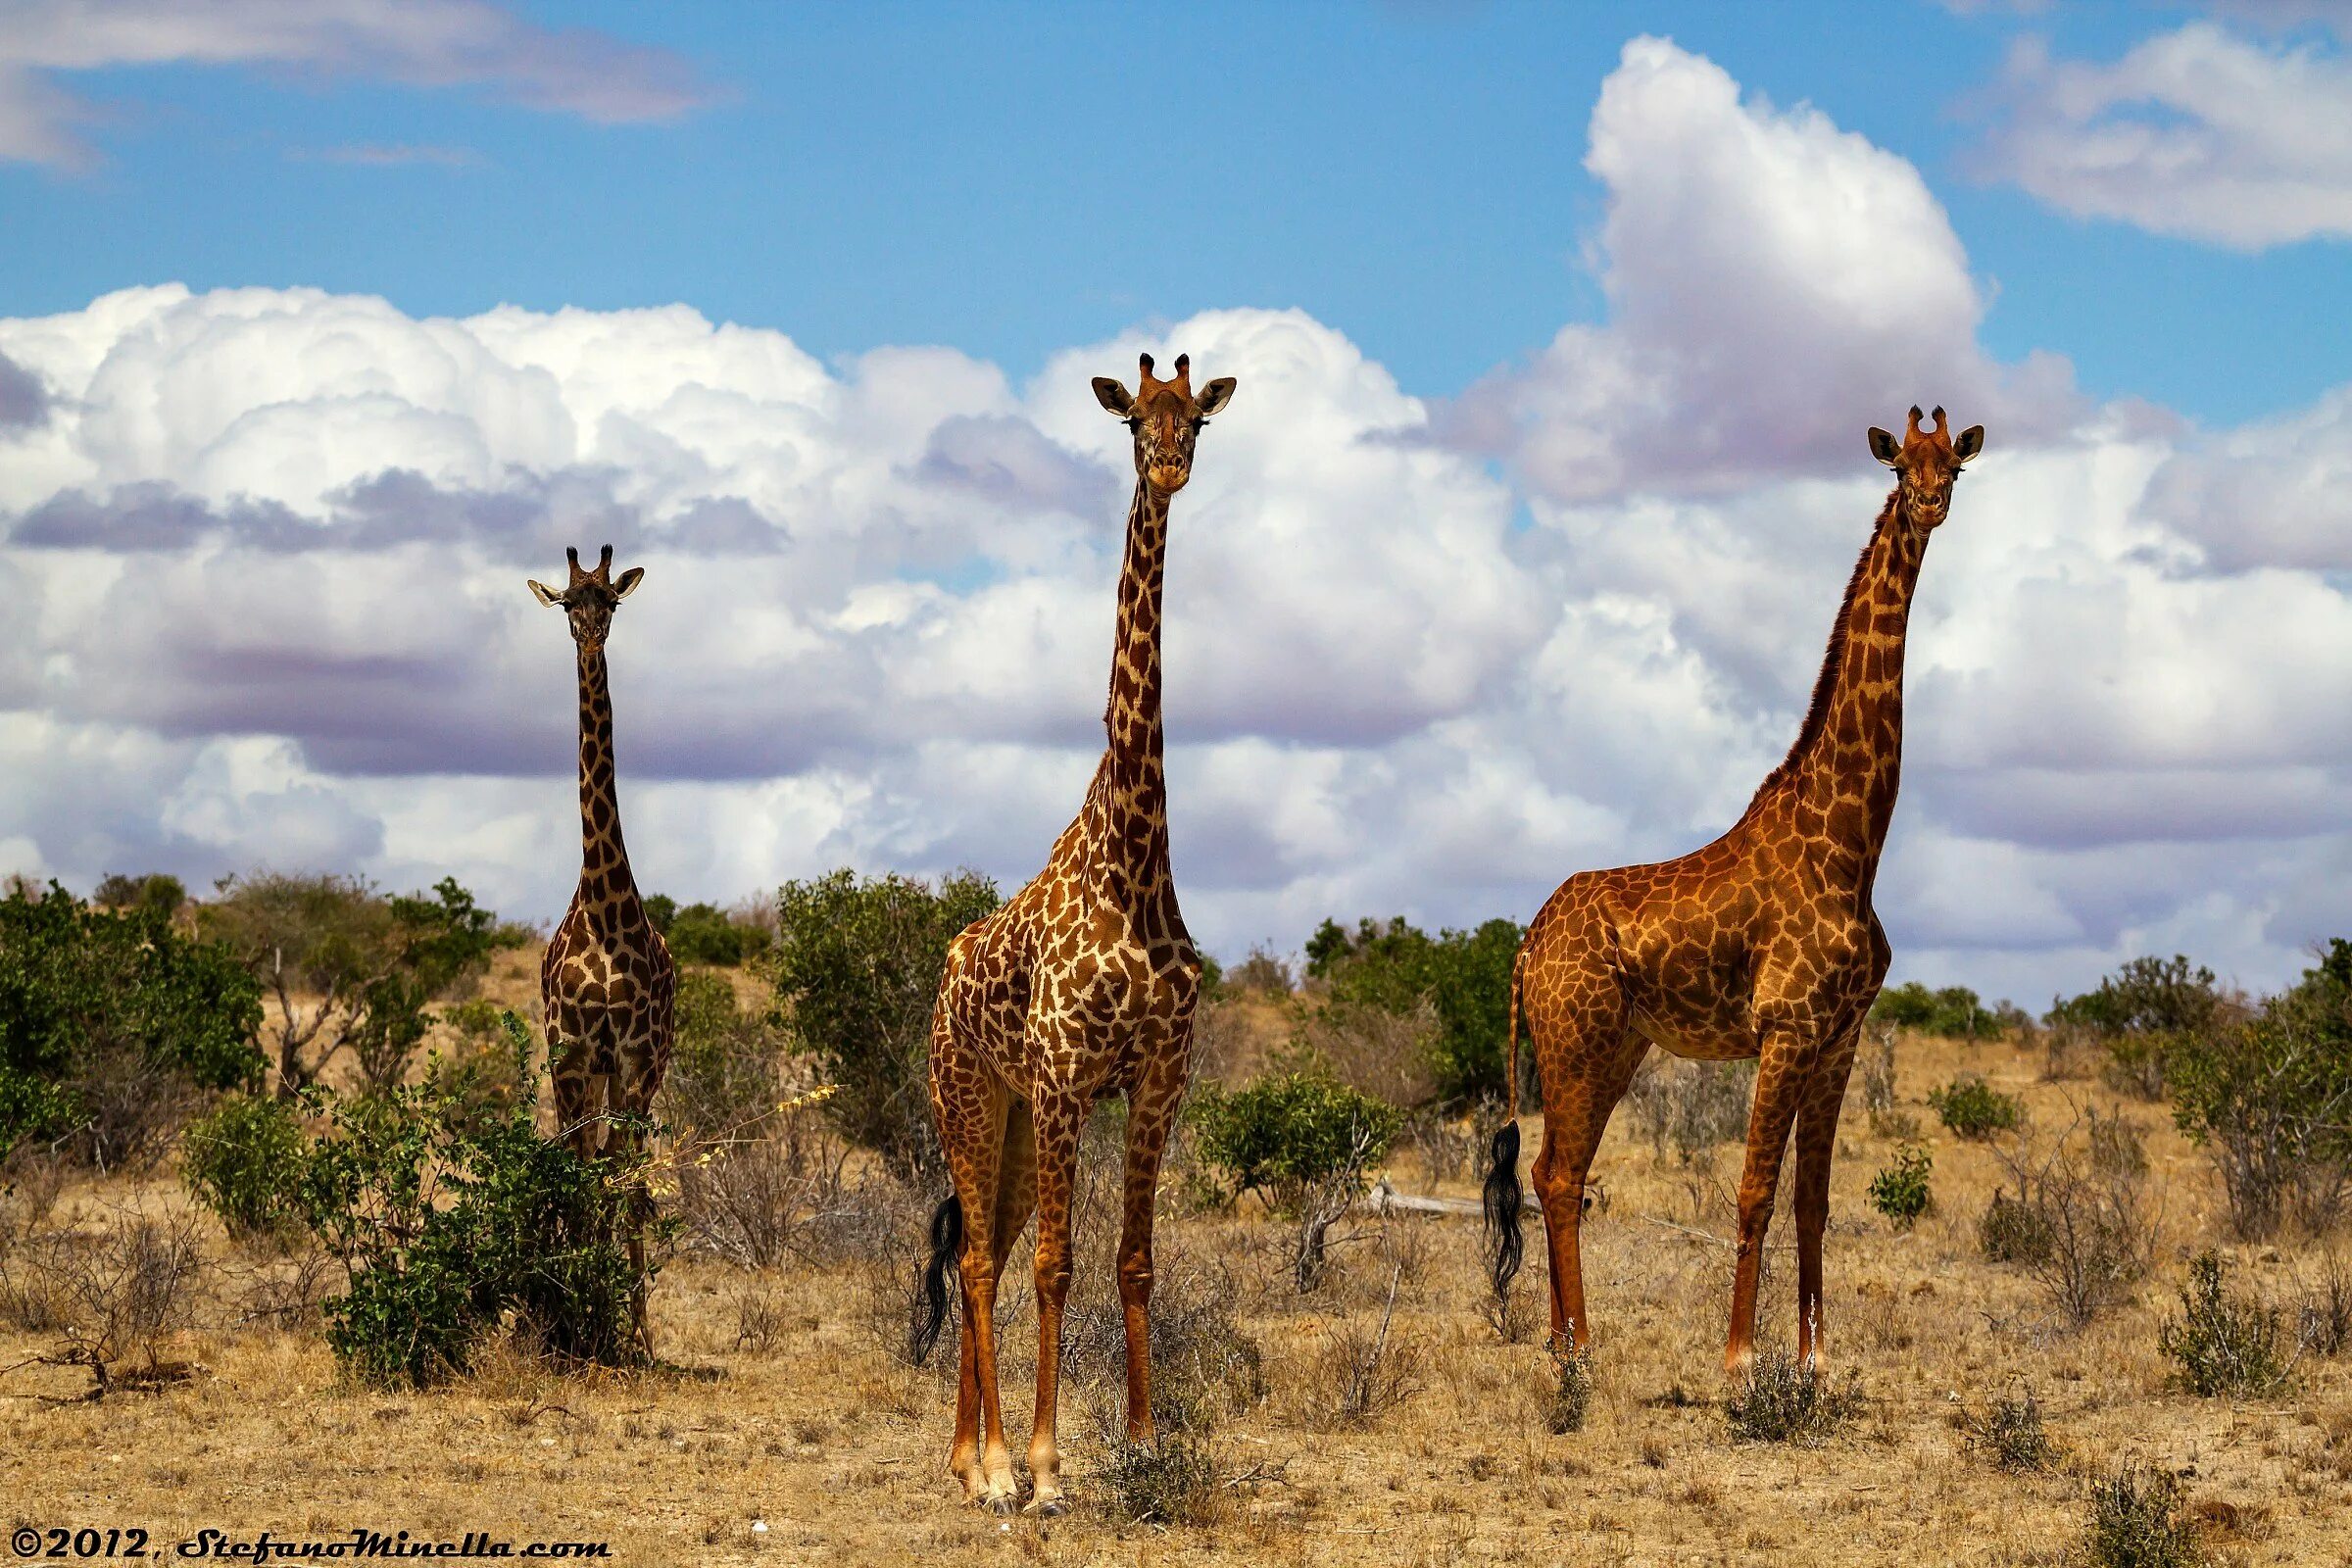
<point x="100" y="1014"/>
<point x="244" y="1162"/>
<point x="2222" y="1343"/>
<point x="2270" y="1098"/>
<point x="476" y="1078"/>
<point x="726" y="1071"/>
<point x="855" y="965"/>
<point x="448" y="1224"/>
<point x="350" y="968"/>
<point x="1900" y="1191"/>
<point x="1463" y="976"/>
<point x="2146" y="996"/>
<point x="1973" y="1108"/>
<point x="1287" y="1132"/>
<point x="2139" y="1519"/>
<point x="703" y="933"/>
<point x="1953" y="1011"/>
<point x="157" y="891"/>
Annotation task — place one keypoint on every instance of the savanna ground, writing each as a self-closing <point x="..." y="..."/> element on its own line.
<point x="789" y="1404"/>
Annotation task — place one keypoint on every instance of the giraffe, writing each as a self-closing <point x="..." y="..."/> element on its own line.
<point x="606" y="983"/>
<point x="1081" y="986"/>
<point x="1761" y="945"/>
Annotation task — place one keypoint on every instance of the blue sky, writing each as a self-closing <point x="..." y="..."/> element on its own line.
<point x="1012" y="179"/>
<point x="1558" y="330"/>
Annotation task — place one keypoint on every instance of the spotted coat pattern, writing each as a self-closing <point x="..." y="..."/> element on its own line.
<point x="606" y="983"/>
<point x="1761" y="945"/>
<point x="1081" y="986"/>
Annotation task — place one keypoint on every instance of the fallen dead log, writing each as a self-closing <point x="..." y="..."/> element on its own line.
<point x="1383" y="1198"/>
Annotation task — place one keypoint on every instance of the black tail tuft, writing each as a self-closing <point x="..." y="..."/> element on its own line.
<point x="946" y="1244"/>
<point x="1502" y="1200"/>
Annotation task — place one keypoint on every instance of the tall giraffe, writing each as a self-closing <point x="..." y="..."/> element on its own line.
<point x="1761" y="945"/>
<point x="607" y="983"/>
<point x="1080" y="988"/>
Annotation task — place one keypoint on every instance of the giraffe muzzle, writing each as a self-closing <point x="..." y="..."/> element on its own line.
<point x="1167" y="481"/>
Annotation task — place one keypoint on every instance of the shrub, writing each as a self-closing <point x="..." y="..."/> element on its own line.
<point x="155" y="892"/>
<point x="349" y="969"/>
<point x="2323" y="1316"/>
<point x="2271" y="1101"/>
<point x="244" y="1162"/>
<point x="2139" y="1519"/>
<point x="703" y="933"/>
<point x="2142" y="1011"/>
<point x="1573" y="1398"/>
<point x="107" y="1021"/>
<point x="1360" y="1374"/>
<point x="1263" y="971"/>
<point x="1900" y="1191"/>
<point x="856" y="967"/>
<point x="2222" y="1343"/>
<point x="2013" y="1438"/>
<point x="1784" y="1401"/>
<point x="1285" y="1133"/>
<point x="447" y="1226"/>
<point x="2014" y="1231"/>
<point x="2083" y="1230"/>
<point x="1691" y="1105"/>
<point x="113" y="1298"/>
<point x="1463" y="976"/>
<point x="1170" y="1479"/>
<point x="1202" y="1365"/>
<point x="1953" y="1011"/>
<point x="1973" y="1108"/>
<point x="1370" y="1050"/>
<point x="477" y="1079"/>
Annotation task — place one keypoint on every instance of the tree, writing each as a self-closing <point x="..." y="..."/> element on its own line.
<point x="2146" y="996"/>
<point x="1463" y="976"/>
<point x="155" y="891"/>
<point x="346" y="967"/>
<point x="103" y="1014"/>
<point x="855" y="965"/>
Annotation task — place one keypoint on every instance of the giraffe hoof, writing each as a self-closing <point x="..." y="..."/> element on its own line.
<point x="1051" y="1506"/>
<point x="1002" y="1501"/>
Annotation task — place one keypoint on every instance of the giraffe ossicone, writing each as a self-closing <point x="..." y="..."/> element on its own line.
<point x="1080" y="987"/>
<point x="1761" y="945"/>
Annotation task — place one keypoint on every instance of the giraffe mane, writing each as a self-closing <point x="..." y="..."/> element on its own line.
<point x="1817" y="711"/>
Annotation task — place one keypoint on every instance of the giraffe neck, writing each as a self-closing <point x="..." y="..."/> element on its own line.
<point x="1135" y="825"/>
<point x="603" y="860"/>
<point x="1847" y="761"/>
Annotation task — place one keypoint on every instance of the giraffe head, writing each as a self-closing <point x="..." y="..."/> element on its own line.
<point x="589" y="597"/>
<point x="1926" y="463"/>
<point x="1166" y="419"/>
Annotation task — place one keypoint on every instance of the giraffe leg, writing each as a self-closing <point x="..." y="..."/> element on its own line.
<point x="1016" y="1179"/>
<point x="971" y="1105"/>
<point x="575" y="1109"/>
<point x="1587" y="1081"/>
<point x="1816" y="1145"/>
<point x="1151" y="1115"/>
<point x="1783" y="1068"/>
<point x="1058" y="1123"/>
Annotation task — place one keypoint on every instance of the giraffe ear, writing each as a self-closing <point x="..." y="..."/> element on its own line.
<point x="544" y="594"/>
<point x="1217" y="395"/>
<point x="627" y="582"/>
<point x="1883" y="446"/>
<point x="1971" y="442"/>
<point x="1113" y="396"/>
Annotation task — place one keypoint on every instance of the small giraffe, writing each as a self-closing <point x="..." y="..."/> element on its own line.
<point x="1761" y="945"/>
<point x="1080" y="988"/>
<point x="607" y="983"/>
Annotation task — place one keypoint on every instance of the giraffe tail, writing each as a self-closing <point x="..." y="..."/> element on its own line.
<point x="1503" y="1193"/>
<point x="947" y="1243"/>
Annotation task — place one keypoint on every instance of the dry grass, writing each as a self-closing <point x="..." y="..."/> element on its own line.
<point x="795" y="1416"/>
